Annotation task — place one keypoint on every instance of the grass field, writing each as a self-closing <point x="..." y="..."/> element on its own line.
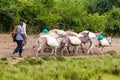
<point x="105" y="67"/>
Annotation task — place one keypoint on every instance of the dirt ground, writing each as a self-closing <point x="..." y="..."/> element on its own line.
<point x="7" y="46"/>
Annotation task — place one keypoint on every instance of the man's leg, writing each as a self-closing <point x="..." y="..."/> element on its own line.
<point x="17" y="48"/>
<point x="20" y="47"/>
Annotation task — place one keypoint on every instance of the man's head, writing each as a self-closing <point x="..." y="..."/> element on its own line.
<point x="25" y="20"/>
<point x="21" y="23"/>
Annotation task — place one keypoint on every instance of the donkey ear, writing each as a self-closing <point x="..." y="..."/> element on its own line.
<point x="87" y="33"/>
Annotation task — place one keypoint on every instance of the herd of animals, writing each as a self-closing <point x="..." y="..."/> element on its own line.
<point x="59" y="41"/>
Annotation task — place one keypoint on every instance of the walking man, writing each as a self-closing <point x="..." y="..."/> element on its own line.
<point x="19" y="39"/>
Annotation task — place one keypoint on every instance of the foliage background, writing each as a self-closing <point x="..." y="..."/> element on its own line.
<point x="93" y="15"/>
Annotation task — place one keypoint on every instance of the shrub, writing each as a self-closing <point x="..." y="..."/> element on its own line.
<point x="116" y="70"/>
<point x="99" y="77"/>
<point x="112" y="53"/>
<point x="30" y="60"/>
<point x="60" y="58"/>
<point x="3" y="58"/>
<point x="46" y="58"/>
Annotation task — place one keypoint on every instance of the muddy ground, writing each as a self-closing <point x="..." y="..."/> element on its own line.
<point x="7" y="46"/>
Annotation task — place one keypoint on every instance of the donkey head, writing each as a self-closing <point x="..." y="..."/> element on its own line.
<point x="109" y="39"/>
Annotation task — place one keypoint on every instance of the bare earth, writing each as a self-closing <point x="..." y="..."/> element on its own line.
<point x="7" y="46"/>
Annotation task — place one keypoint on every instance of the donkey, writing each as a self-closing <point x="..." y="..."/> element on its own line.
<point x="79" y="38"/>
<point x="71" y="40"/>
<point x="43" y="42"/>
<point x="92" y="38"/>
<point x="95" y="42"/>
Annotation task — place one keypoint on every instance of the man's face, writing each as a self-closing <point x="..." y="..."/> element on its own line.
<point x="21" y="24"/>
<point x="25" y="21"/>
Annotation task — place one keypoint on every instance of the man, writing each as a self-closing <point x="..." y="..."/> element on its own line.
<point x="24" y="31"/>
<point x="24" y="26"/>
<point x="19" y="39"/>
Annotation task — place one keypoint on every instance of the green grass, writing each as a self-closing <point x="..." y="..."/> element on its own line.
<point x="61" y="68"/>
<point x="105" y="77"/>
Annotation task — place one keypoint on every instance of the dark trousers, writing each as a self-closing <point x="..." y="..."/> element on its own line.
<point x="19" y="47"/>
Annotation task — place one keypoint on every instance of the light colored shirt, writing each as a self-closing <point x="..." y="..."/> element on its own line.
<point x="20" y="32"/>
<point x="24" y="28"/>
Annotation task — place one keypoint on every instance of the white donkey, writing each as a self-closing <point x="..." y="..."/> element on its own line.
<point x="46" y="41"/>
<point x="92" y="38"/>
<point x="71" y="39"/>
<point x="52" y="39"/>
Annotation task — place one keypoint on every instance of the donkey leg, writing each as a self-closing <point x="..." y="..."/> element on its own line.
<point x="68" y="50"/>
<point x="53" y="51"/>
<point x="38" y="51"/>
<point x="75" y="50"/>
<point x="82" y="48"/>
<point x="65" y="48"/>
<point x="56" y="51"/>
<point x="42" y="51"/>
<point x="91" y="47"/>
<point x="102" y="50"/>
<point x="62" y="51"/>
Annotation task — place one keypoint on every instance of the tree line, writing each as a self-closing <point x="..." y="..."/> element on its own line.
<point x="93" y="15"/>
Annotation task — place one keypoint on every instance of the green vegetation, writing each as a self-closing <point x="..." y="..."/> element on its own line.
<point x="104" y="67"/>
<point x="93" y="15"/>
